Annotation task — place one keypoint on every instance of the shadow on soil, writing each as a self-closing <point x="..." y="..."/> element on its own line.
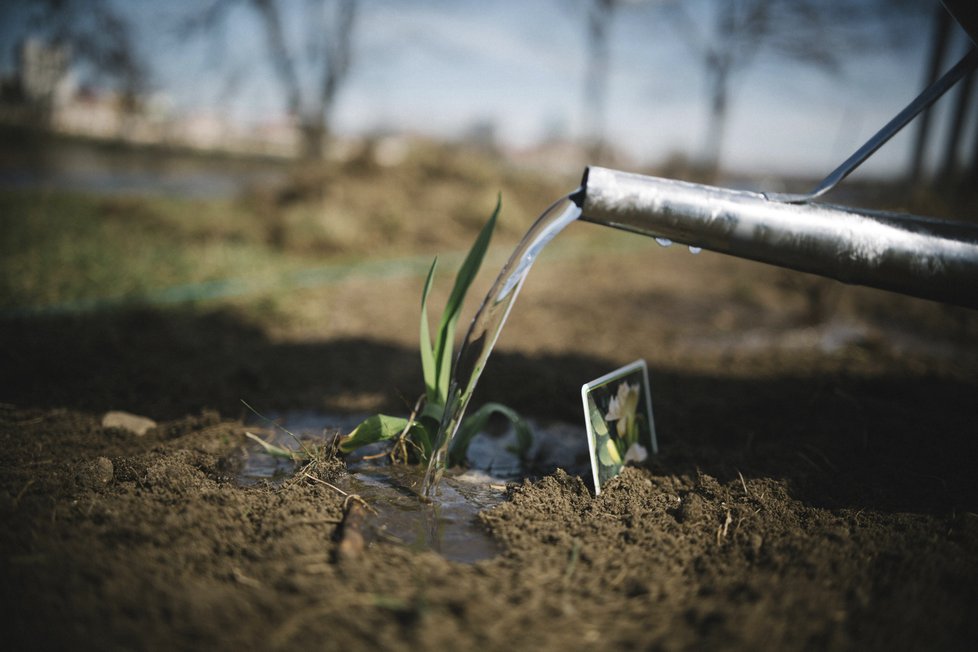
<point x="896" y="443"/>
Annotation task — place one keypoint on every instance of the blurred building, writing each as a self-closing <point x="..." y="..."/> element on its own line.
<point x="44" y="93"/>
<point x="44" y="76"/>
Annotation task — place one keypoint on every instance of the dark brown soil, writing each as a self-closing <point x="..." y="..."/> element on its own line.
<point x="812" y="492"/>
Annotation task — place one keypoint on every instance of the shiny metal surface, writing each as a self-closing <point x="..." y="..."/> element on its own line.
<point x="918" y="256"/>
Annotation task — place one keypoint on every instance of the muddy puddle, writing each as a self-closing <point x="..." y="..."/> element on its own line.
<point x="449" y="524"/>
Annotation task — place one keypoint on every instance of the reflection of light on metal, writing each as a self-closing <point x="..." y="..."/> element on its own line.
<point x="918" y="256"/>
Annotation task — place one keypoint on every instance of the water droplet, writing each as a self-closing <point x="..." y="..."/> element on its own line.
<point x="665" y="242"/>
<point x="695" y="250"/>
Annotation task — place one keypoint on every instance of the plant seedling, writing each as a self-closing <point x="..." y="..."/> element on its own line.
<point x="415" y="435"/>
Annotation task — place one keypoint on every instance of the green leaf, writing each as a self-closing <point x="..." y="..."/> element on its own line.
<point x="449" y="318"/>
<point x="421" y="434"/>
<point x="276" y="451"/>
<point x="608" y="453"/>
<point x="428" y="369"/>
<point x="433" y="411"/>
<point x="476" y="423"/>
<point x="379" y="427"/>
<point x="524" y="434"/>
<point x="597" y="422"/>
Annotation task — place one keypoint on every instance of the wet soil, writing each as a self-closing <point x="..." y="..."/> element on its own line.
<point x="815" y="488"/>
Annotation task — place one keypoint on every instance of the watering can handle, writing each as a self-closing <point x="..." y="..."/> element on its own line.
<point x="966" y="15"/>
<point x="921" y="102"/>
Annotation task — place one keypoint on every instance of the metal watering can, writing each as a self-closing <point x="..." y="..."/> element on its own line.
<point x="918" y="256"/>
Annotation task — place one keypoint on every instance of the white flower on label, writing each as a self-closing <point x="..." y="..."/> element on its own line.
<point x="636" y="453"/>
<point x="622" y="408"/>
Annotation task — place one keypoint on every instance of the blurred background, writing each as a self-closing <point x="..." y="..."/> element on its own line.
<point x="759" y="88"/>
<point x="297" y="163"/>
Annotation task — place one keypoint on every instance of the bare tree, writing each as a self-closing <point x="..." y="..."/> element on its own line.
<point x="599" y="17"/>
<point x="939" y="41"/>
<point x="942" y="40"/>
<point x="727" y="36"/>
<point x="310" y="70"/>
<point x="88" y="33"/>
<point x="949" y="171"/>
<point x="951" y="176"/>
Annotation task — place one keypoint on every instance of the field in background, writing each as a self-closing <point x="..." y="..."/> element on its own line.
<point x="338" y="251"/>
<point x="814" y="487"/>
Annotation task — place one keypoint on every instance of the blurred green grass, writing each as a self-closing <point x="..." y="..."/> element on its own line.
<point x="67" y="250"/>
<point x="61" y="247"/>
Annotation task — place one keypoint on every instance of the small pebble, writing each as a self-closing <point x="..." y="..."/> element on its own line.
<point x="125" y="421"/>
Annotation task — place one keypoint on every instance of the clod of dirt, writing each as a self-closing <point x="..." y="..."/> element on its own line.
<point x="133" y="423"/>
<point x="95" y="474"/>
<point x="189" y="424"/>
<point x="174" y="475"/>
<point x="692" y="509"/>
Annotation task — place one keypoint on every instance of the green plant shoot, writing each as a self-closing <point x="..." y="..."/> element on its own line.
<point x="418" y="432"/>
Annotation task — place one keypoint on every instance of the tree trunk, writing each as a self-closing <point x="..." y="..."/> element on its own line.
<point x="314" y="139"/>
<point x="971" y="181"/>
<point x="335" y="70"/>
<point x="719" y="88"/>
<point x="939" y="40"/>
<point x="596" y="76"/>
<point x="949" y="169"/>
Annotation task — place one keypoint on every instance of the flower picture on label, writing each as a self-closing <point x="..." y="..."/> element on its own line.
<point x="618" y="412"/>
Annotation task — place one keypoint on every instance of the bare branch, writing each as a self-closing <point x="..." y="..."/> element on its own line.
<point x="310" y="70"/>
<point x="338" y="53"/>
<point x="281" y="59"/>
<point x="206" y="19"/>
<point x="94" y="33"/>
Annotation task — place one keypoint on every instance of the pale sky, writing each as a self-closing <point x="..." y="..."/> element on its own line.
<point x="438" y="66"/>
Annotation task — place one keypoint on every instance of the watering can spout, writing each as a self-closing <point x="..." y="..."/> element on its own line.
<point x="918" y="256"/>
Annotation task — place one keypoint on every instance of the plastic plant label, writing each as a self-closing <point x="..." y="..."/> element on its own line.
<point x="618" y="414"/>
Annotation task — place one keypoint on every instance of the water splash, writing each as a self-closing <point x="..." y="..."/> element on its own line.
<point x="488" y="322"/>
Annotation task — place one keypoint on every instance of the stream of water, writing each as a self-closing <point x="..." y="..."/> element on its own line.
<point x="488" y="322"/>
